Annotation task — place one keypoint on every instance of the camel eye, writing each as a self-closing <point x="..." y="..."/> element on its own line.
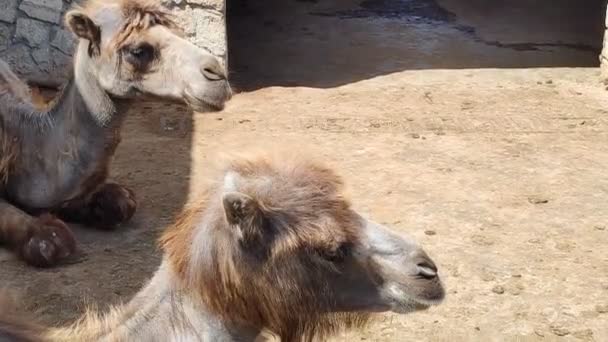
<point x="339" y="254"/>
<point x="139" y="55"/>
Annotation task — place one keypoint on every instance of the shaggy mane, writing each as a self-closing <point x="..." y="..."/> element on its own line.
<point x="303" y="202"/>
<point x="138" y="15"/>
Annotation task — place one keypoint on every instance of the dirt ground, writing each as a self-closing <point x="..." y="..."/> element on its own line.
<point x="482" y="130"/>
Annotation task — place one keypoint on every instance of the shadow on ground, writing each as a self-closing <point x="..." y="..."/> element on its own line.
<point x="322" y="43"/>
<point x="153" y="159"/>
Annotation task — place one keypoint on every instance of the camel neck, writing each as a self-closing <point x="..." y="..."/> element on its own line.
<point x="83" y="97"/>
<point x="161" y="311"/>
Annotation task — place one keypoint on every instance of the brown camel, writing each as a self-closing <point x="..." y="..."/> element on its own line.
<point x="271" y="245"/>
<point x="54" y="163"/>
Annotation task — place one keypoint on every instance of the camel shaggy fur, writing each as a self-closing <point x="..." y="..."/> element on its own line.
<point x="54" y="162"/>
<point x="271" y="245"/>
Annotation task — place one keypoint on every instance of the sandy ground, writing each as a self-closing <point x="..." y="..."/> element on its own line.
<point x="482" y="131"/>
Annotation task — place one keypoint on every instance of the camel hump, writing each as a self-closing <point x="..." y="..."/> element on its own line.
<point x="11" y="83"/>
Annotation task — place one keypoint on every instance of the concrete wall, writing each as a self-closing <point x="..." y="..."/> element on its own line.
<point x="38" y="48"/>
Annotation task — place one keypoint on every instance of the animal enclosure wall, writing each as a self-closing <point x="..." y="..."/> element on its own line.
<point x="36" y="45"/>
<point x="604" y="55"/>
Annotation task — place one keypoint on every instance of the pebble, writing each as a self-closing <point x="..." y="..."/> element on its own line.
<point x="586" y="335"/>
<point x="516" y="290"/>
<point x="589" y="314"/>
<point x="482" y="240"/>
<point x="537" y="200"/>
<point x="559" y="331"/>
<point x="416" y="136"/>
<point x="498" y="289"/>
<point x="600" y="227"/>
<point x="430" y="232"/>
<point x="487" y="277"/>
<point x="601" y="308"/>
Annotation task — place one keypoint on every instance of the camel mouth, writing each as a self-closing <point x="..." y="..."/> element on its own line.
<point x="201" y="106"/>
<point x="204" y="105"/>
<point x="404" y="301"/>
<point x="412" y="305"/>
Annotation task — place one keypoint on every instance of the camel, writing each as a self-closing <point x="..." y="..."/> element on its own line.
<point x="54" y="162"/>
<point x="270" y="247"/>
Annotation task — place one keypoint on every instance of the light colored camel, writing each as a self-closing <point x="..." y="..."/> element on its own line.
<point x="56" y="161"/>
<point x="271" y="245"/>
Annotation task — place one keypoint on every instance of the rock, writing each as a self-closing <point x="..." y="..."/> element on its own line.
<point x="430" y="232"/>
<point x="5" y="37"/>
<point x="537" y="200"/>
<point x="20" y="60"/>
<point x="9" y="11"/>
<point x="498" y="289"/>
<point x="415" y="135"/>
<point x="61" y="62"/>
<point x="559" y="331"/>
<point x="601" y="308"/>
<point x="600" y="227"/>
<point x="565" y="246"/>
<point x="47" y="10"/>
<point x="42" y="57"/>
<point x="515" y="289"/>
<point x="33" y="32"/>
<point x="64" y="41"/>
<point x="482" y="240"/>
<point x="589" y="314"/>
<point x="487" y="276"/>
<point x="585" y="335"/>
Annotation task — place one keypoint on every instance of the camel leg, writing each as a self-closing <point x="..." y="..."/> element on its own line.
<point x="107" y="207"/>
<point x="40" y="241"/>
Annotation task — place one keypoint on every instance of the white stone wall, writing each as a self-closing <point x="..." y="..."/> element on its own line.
<point x="32" y="40"/>
<point x="604" y="55"/>
<point x="34" y="43"/>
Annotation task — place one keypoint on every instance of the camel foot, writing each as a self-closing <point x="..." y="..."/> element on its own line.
<point x="49" y="242"/>
<point x="112" y="205"/>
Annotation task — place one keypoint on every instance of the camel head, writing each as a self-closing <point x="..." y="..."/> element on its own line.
<point x="133" y="47"/>
<point x="275" y="244"/>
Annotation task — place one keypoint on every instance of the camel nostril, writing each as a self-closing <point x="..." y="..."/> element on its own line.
<point x="211" y="75"/>
<point x="213" y="71"/>
<point x="427" y="271"/>
<point x="426" y="267"/>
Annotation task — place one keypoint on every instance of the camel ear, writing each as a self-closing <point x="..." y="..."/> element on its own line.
<point x="83" y="27"/>
<point x="239" y="208"/>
